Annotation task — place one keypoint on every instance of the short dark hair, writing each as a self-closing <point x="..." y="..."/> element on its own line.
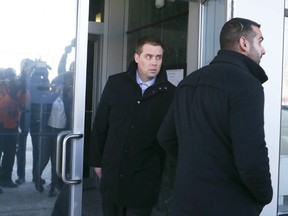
<point x="234" y="29"/>
<point x="152" y="40"/>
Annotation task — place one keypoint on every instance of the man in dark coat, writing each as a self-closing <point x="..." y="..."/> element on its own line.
<point x="125" y="152"/>
<point x="215" y="128"/>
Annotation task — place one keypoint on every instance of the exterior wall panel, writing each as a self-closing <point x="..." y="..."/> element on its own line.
<point x="270" y="14"/>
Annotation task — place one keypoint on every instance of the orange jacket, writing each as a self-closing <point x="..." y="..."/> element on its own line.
<point x="9" y="110"/>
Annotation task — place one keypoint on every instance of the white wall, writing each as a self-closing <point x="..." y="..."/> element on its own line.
<point x="270" y="14"/>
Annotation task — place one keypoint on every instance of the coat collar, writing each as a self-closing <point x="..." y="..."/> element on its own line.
<point x="242" y="61"/>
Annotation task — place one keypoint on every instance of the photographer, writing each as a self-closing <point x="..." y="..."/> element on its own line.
<point x="42" y="99"/>
<point x="27" y="67"/>
<point x="10" y="100"/>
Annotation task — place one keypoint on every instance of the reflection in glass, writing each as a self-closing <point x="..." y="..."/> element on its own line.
<point x="168" y="23"/>
<point x="283" y="174"/>
<point x="212" y="20"/>
<point x="96" y="11"/>
<point x="36" y="89"/>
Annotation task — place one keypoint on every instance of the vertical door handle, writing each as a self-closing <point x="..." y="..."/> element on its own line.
<point x="60" y="138"/>
<point x="61" y="167"/>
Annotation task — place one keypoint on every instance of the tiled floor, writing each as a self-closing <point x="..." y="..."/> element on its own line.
<point x="25" y="200"/>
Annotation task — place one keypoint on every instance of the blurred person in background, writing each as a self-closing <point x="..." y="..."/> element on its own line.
<point x="58" y="121"/>
<point x="11" y="98"/>
<point x="41" y="103"/>
<point x="1" y="122"/>
<point x="26" y="68"/>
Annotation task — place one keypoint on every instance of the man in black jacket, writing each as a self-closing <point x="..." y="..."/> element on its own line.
<point x="125" y="152"/>
<point x="215" y="128"/>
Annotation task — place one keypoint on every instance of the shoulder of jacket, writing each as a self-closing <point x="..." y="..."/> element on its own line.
<point x="116" y="77"/>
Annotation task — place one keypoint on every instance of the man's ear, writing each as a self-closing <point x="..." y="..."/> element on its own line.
<point x="136" y="57"/>
<point x="244" y="44"/>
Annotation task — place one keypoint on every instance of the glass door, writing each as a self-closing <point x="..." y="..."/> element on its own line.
<point x="43" y="53"/>
<point x="283" y="166"/>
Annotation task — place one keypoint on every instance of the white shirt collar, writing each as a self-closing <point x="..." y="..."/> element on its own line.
<point x="148" y="83"/>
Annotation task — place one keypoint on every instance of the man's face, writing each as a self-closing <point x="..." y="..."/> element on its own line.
<point x="149" y="61"/>
<point x="256" y="49"/>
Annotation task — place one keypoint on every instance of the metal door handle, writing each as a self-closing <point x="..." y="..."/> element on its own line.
<point x="64" y="178"/>
<point x="60" y="138"/>
<point x="61" y="167"/>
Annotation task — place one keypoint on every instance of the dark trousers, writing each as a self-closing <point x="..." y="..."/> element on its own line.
<point x="38" y="130"/>
<point x="48" y="152"/>
<point x="111" y="209"/>
<point x="35" y="138"/>
<point x="47" y="144"/>
<point x="21" y="155"/>
<point x="9" y="139"/>
<point x="21" y="146"/>
<point x="42" y="148"/>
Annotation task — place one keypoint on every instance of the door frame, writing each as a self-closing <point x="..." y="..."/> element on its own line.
<point x="75" y="199"/>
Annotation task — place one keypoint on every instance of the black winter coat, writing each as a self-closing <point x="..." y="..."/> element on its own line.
<point x="215" y="124"/>
<point x="124" y="138"/>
